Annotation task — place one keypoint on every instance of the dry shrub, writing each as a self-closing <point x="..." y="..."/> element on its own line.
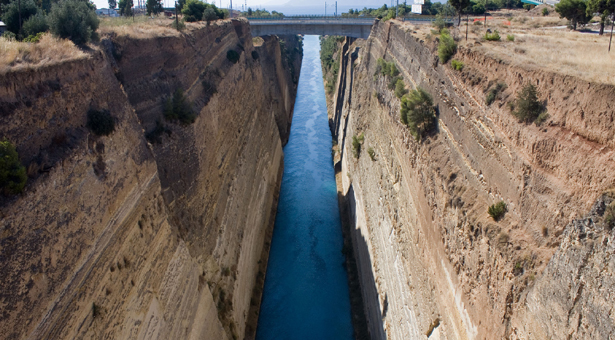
<point x="48" y="50"/>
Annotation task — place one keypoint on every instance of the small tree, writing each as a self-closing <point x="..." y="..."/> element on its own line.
<point x="112" y="4"/>
<point x="400" y="88"/>
<point x="193" y="10"/>
<point x="459" y="5"/>
<point x="604" y="8"/>
<point x="209" y="15"/>
<point x="497" y="211"/>
<point x="74" y="20"/>
<point x="446" y="48"/>
<point x="528" y="108"/>
<point x="11" y="14"/>
<point x="573" y="10"/>
<point x="418" y="112"/>
<point x="12" y="174"/>
<point x="356" y="145"/>
<point x="126" y="7"/>
<point x="35" y="24"/>
<point x="153" y="7"/>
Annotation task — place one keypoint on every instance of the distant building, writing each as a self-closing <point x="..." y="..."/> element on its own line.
<point x="2" y="28"/>
<point x="106" y="12"/>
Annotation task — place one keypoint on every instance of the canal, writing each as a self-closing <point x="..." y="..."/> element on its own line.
<point x="306" y="286"/>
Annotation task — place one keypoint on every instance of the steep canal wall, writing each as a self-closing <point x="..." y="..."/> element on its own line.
<point x="432" y="263"/>
<point x="156" y="230"/>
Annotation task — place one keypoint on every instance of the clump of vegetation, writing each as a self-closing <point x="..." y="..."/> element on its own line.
<point x="400" y="88"/>
<point x="232" y="56"/>
<point x="195" y="10"/>
<point x="356" y="145"/>
<point x="497" y="211"/>
<point x="95" y="310"/>
<point x="177" y="107"/>
<point x="74" y="20"/>
<point x="609" y="216"/>
<point x="255" y="55"/>
<point x="528" y="107"/>
<point x="34" y="38"/>
<point x="447" y="47"/>
<point x="545" y="12"/>
<point x="35" y="25"/>
<point x="457" y="65"/>
<point x="155" y="135"/>
<point x="493" y="92"/>
<point x="178" y="24"/>
<point x="510" y="37"/>
<point x="439" y="23"/>
<point x="418" y="112"/>
<point x="12" y="174"/>
<point x="371" y="153"/>
<point x="503" y="238"/>
<point x="495" y="36"/>
<point x="100" y="122"/>
<point x="576" y="11"/>
<point x="386" y="69"/>
<point x="11" y="14"/>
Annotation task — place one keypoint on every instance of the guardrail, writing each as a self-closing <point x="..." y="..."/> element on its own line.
<point x="293" y="19"/>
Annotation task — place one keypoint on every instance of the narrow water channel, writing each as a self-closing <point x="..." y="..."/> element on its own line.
<point x="306" y="287"/>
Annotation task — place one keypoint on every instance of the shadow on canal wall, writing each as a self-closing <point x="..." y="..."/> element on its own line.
<point x="367" y="315"/>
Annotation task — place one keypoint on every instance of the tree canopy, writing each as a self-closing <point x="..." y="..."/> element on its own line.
<point x="573" y="10"/>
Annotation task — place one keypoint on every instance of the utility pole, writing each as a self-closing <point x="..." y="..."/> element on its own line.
<point x="325" y="9"/>
<point x="397" y="9"/>
<point x="467" y="24"/>
<point x="336" y="9"/>
<point x="176" y="19"/>
<point x="611" y="38"/>
<point x="19" y="10"/>
<point x="231" y="8"/>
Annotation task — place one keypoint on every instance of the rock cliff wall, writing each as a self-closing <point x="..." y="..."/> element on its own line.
<point x="116" y="237"/>
<point x="433" y="263"/>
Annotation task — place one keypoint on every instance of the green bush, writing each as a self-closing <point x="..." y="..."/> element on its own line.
<point x="34" y="38"/>
<point x="371" y="153"/>
<point x="400" y="88"/>
<point x="495" y="36"/>
<point x="457" y="65"/>
<point x="528" y="108"/>
<point x="11" y="14"/>
<point x="493" y="92"/>
<point x="356" y="145"/>
<point x="386" y="69"/>
<point x="232" y="56"/>
<point x="209" y="14"/>
<point x="418" y="112"/>
<point x="393" y="82"/>
<point x="510" y="37"/>
<point x="177" y="107"/>
<point x="178" y="24"/>
<point x="439" y="22"/>
<point x="12" y="174"/>
<point x="193" y="10"/>
<point x="446" y="48"/>
<point x="9" y="35"/>
<point x="100" y="122"/>
<point x="74" y="20"/>
<point x="545" y="12"/>
<point x="497" y="211"/>
<point x="125" y="7"/>
<point x="35" y="24"/>
<point x="255" y="55"/>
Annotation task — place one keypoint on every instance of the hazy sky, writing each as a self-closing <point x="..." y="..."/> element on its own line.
<point x="286" y="6"/>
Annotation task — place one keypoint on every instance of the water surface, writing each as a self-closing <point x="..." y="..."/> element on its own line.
<point x="306" y="288"/>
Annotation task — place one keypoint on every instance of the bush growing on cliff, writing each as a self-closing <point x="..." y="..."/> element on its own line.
<point x="386" y="69"/>
<point x="528" y="107"/>
<point x="609" y="216"/>
<point x="232" y="56"/>
<point x="177" y="107"/>
<point x="493" y="92"/>
<point x="400" y="88"/>
<point x="356" y="145"/>
<point x="74" y="20"/>
<point x="12" y="174"/>
<point x="497" y="211"/>
<point x="197" y="10"/>
<point x="100" y="122"/>
<point x="457" y="65"/>
<point x="446" y="48"/>
<point x="418" y="112"/>
<point x="371" y="153"/>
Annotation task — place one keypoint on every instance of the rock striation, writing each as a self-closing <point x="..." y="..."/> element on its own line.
<point x="123" y="237"/>
<point x="432" y="263"/>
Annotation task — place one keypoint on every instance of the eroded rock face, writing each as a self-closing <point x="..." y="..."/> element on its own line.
<point x="433" y="263"/>
<point x="118" y="238"/>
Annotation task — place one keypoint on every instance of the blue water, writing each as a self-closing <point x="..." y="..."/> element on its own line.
<point x="306" y="287"/>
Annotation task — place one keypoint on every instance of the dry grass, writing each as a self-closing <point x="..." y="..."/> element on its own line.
<point x="140" y="27"/>
<point x="536" y="44"/>
<point x="49" y="50"/>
